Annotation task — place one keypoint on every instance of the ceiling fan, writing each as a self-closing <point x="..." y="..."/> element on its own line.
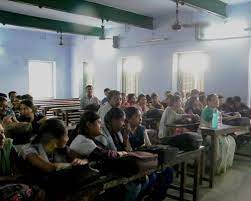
<point x="102" y="34"/>
<point x="177" y="26"/>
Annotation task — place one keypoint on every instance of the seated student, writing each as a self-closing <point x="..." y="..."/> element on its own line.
<point x="166" y="102"/>
<point x="138" y="137"/>
<point x="124" y="101"/>
<point x="16" y="106"/>
<point x="111" y="135"/>
<point x="156" y="102"/>
<point x="170" y="115"/>
<point x="12" y="95"/>
<point x="137" y="134"/>
<point x="29" y="114"/>
<point x="7" y="116"/>
<point x="27" y="97"/>
<point x="221" y="100"/>
<point x="228" y="106"/>
<point x="238" y="105"/>
<point x="131" y="100"/>
<point x="48" y="153"/>
<point x="114" y="101"/>
<point x="42" y="153"/>
<point x="85" y="143"/>
<point x="142" y="103"/>
<point x="148" y="100"/>
<point x="89" y="98"/>
<point x="225" y="144"/>
<point x="105" y="99"/>
<point x="10" y="186"/>
<point x="3" y="95"/>
<point x="203" y="101"/>
<point x="193" y="106"/>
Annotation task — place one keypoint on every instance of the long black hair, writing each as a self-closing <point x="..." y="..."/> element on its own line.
<point x="50" y="129"/>
<point x="88" y="116"/>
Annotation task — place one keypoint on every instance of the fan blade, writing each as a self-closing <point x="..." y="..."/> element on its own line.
<point x="200" y="24"/>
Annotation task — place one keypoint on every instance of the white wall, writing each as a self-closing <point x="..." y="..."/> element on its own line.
<point x="229" y="59"/>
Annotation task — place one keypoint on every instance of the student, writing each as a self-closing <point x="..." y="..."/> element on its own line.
<point x="221" y="100"/>
<point x="111" y="135"/>
<point x="238" y="105"/>
<point x="42" y="153"/>
<point x="193" y="106"/>
<point x="3" y="95"/>
<point x="27" y="97"/>
<point x="203" y="101"/>
<point x="12" y="95"/>
<point x="85" y="143"/>
<point x="89" y="98"/>
<point x="138" y="138"/>
<point x="105" y="99"/>
<point x="228" y="106"/>
<point x="156" y="102"/>
<point x="10" y="187"/>
<point x="114" y="101"/>
<point x="166" y="102"/>
<point x="124" y="101"/>
<point x="142" y="103"/>
<point x="48" y="153"/>
<point x="137" y="134"/>
<point x="16" y="106"/>
<point x="7" y="116"/>
<point x="29" y="114"/>
<point x="225" y="144"/>
<point x="131" y="100"/>
<point x="170" y="115"/>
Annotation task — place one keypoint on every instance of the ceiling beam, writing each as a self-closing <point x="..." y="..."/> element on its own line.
<point x="47" y="24"/>
<point x="216" y="7"/>
<point x="95" y="10"/>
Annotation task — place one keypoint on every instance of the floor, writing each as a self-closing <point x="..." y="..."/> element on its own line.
<point x="235" y="185"/>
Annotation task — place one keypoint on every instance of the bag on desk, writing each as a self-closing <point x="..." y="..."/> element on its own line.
<point x="188" y="141"/>
<point x="166" y="153"/>
<point x="71" y="178"/>
<point x="243" y="121"/>
<point x="134" y="163"/>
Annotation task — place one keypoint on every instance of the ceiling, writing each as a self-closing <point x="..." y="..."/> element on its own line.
<point x="235" y="1"/>
<point x="152" y="8"/>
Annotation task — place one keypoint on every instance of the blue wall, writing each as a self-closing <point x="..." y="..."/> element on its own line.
<point x="17" y="46"/>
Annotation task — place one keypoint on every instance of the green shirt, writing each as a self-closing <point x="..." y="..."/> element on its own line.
<point x="207" y="114"/>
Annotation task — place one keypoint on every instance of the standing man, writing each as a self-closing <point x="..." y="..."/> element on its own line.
<point x="89" y="98"/>
<point x="12" y="95"/>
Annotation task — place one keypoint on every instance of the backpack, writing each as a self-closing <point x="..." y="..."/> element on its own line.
<point x="134" y="163"/>
<point x="187" y="141"/>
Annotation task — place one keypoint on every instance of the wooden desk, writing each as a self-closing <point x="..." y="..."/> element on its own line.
<point x="108" y="182"/>
<point x="214" y="133"/>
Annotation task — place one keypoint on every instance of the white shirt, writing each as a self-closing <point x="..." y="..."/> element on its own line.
<point x="83" y="145"/>
<point x="103" y="110"/>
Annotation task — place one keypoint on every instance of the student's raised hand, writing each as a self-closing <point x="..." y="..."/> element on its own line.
<point x="122" y="153"/>
<point x="78" y="161"/>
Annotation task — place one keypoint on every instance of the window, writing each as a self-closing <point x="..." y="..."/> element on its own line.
<point x="131" y="67"/>
<point x="42" y="79"/>
<point x="86" y="77"/>
<point x="190" y="71"/>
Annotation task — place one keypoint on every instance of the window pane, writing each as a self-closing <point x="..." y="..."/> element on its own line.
<point x="191" y="69"/>
<point x="130" y="74"/>
<point x="41" y="82"/>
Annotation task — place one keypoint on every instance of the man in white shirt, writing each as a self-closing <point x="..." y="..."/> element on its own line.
<point x="114" y="100"/>
<point x="89" y="98"/>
